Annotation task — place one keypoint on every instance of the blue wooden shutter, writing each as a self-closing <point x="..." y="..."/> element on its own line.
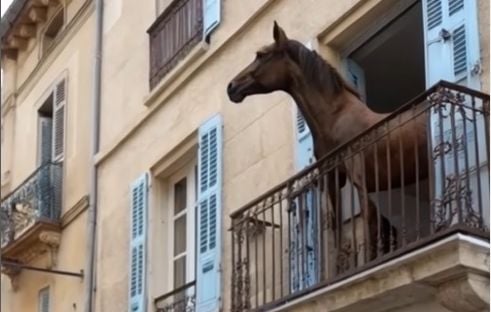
<point x="211" y="15"/>
<point x="303" y="236"/>
<point x="209" y="214"/>
<point x="139" y="194"/>
<point x="357" y="77"/>
<point x="452" y="42"/>
<point x="59" y="101"/>
<point x="452" y="53"/>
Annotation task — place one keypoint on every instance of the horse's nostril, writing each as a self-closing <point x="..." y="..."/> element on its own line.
<point x="230" y="87"/>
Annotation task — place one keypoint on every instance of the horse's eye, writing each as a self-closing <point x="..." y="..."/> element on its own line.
<point x="260" y="55"/>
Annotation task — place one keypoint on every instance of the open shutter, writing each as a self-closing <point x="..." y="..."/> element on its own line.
<point x="302" y="246"/>
<point x="43" y="300"/>
<point x="357" y="77"/>
<point x="59" y="120"/>
<point x="452" y="42"/>
<point x="211" y="15"/>
<point x="452" y="53"/>
<point x="138" y="246"/>
<point x="209" y="214"/>
<point x="45" y="139"/>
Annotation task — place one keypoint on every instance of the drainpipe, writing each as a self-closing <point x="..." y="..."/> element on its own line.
<point x="90" y="286"/>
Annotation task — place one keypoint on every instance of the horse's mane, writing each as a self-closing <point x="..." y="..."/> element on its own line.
<point x="317" y="70"/>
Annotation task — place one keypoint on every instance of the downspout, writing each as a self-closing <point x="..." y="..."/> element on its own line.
<point x="90" y="286"/>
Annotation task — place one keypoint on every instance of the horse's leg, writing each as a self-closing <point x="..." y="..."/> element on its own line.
<point x="367" y="207"/>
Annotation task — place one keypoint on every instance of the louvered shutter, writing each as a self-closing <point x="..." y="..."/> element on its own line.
<point x="45" y="139"/>
<point x="139" y="194"/>
<point x="59" y="120"/>
<point x="211" y="15"/>
<point x="452" y="53"/>
<point x="209" y="215"/>
<point x="43" y="299"/>
<point x="304" y="147"/>
<point x="452" y="42"/>
<point x="357" y="77"/>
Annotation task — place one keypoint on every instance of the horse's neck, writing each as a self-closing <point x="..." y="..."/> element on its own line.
<point x="332" y="119"/>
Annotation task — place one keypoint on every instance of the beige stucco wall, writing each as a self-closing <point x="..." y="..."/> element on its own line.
<point x="71" y="57"/>
<point x="258" y="134"/>
<point x="484" y="43"/>
<point x="66" y="292"/>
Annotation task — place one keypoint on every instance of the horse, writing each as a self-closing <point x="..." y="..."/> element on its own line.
<point x="335" y="113"/>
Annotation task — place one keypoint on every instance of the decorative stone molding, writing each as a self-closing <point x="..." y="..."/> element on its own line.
<point x="71" y="214"/>
<point x="13" y="274"/>
<point x="52" y="240"/>
<point x="469" y="293"/>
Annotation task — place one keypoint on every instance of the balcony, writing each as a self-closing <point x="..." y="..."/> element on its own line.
<point x="173" y="35"/>
<point x="182" y="299"/>
<point x="296" y="240"/>
<point x="30" y="216"/>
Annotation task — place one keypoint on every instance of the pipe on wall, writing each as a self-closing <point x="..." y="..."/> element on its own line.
<point x="90" y="286"/>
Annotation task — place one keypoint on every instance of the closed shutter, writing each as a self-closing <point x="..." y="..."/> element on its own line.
<point x="59" y="121"/>
<point x="211" y="15"/>
<point x="209" y="214"/>
<point x="139" y="194"/>
<point x="44" y="299"/>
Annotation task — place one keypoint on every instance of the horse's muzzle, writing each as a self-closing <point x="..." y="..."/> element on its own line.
<point x="233" y="92"/>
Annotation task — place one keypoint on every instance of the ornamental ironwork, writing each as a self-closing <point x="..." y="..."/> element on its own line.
<point x="37" y="198"/>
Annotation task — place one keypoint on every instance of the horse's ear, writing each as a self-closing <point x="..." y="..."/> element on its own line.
<point x="279" y="34"/>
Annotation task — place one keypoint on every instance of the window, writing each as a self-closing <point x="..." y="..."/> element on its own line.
<point x="399" y="45"/>
<point x="52" y="30"/>
<point x="186" y="223"/>
<point x="181" y="212"/>
<point x="44" y="300"/>
<point x="182" y="25"/>
<point x="51" y="116"/>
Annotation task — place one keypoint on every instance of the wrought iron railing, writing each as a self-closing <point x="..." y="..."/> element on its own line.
<point x="308" y="232"/>
<point x="181" y="299"/>
<point x="172" y="36"/>
<point x="37" y="198"/>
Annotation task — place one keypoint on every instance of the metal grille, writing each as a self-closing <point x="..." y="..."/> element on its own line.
<point x="38" y="197"/>
<point x="181" y="299"/>
<point x="176" y="31"/>
<point x="309" y="232"/>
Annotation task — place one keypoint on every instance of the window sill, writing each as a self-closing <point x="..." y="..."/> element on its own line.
<point x="178" y="72"/>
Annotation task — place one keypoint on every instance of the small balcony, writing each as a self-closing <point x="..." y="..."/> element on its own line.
<point x="182" y="299"/>
<point x="318" y="229"/>
<point x="30" y="216"/>
<point x="173" y="35"/>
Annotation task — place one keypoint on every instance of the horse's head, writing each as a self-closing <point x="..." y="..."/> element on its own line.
<point x="267" y="73"/>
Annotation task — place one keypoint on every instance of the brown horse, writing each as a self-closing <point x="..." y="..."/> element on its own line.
<point x="335" y="114"/>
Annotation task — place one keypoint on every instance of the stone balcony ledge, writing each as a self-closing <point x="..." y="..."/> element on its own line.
<point x="454" y="271"/>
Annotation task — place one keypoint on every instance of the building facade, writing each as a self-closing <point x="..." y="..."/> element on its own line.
<point x="192" y="211"/>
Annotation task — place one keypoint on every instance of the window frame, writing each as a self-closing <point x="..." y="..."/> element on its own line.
<point x="188" y="172"/>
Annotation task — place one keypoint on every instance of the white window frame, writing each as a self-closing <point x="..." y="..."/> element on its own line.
<point x="188" y="172"/>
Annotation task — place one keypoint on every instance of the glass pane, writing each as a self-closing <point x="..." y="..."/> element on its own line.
<point x="180" y="196"/>
<point x="180" y="235"/>
<point x="179" y="272"/>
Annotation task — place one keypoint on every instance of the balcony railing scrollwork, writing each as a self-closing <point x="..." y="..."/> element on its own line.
<point x="38" y="198"/>
<point x="181" y="299"/>
<point x="301" y="235"/>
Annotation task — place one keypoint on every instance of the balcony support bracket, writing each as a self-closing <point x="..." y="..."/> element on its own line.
<point x="469" y="293"/>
